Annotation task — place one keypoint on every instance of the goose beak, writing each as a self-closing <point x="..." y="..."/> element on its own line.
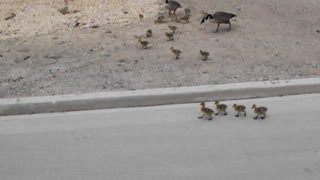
<point x="202" y="21"/>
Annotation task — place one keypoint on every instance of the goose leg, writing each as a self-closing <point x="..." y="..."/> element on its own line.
<point x="229" y="25"/>
<point x="217" y="30"/>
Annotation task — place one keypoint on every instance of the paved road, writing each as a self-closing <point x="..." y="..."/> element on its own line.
<point x="165" y="143"/>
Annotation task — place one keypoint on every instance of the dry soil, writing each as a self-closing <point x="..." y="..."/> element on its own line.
<point x="269" y="40"/>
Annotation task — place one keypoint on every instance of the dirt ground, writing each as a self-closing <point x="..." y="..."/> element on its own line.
<point x="269" y="40"/>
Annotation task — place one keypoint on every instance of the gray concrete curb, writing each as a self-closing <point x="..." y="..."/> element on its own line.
<point x="151" y="97"/>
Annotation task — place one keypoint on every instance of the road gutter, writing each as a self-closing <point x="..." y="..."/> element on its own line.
<point x="152" y="97"/>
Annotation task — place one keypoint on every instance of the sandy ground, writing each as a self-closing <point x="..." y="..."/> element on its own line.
<point x="269" y="40"/>
<point x="165" y="143"/>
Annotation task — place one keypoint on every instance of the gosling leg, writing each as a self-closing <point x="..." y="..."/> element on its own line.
<point x="217" y="30"/>
<point x="210" y="118"/>
<point x="245" y="113"/>
<point x="263" y="116"/>
<point x="225" y="113"/>
<point x="256" y="117"/>
<point x="217" y="113"/>
<point x="177" y="57"/>
<point x="201" y="116"/>
<point x="238" y="114"/>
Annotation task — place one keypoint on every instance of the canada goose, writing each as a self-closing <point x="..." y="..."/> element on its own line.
<point x="144" y="44"/>
<point x="173" y="28"/>
<point x="219" y="18"/>
<point x="204" y="54"/>
<point x="205" y="111"/>
<point x="170" y="36"/>
<point x="260" y="111"/>
<point x="172" y="6"/>
<point x="239" y="109"/>
<point x="149" y="33"/>
<point x="221" y="108"/>
<point x="176" y="52"/>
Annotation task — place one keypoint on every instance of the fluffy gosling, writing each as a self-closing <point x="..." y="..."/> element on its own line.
<point x="159" y="20"/>
<point x="204" y="14"/>
<point x="221" y="108"/>
<point x="172" y="28"/>
<point x="170" y="36"/>
<point x="144" y="44"/>
<point x="204" y="55"/>
<point x="239" y="109"/>
<point x="176" y="52"/>
<point x="140" y="16"/>
<point x="185" y="19"/>
<point x="187" y="11"/>
<point x="149" y="33"/>
<point x="260" y="111"/>
<point x="205" y="111"/>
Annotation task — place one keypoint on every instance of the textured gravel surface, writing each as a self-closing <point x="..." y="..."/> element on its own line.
<point x="268" y="41"/>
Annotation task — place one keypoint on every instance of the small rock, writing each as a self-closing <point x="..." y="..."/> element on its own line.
<point x="27" y="57"/>
<point x="10" y="16"/>
<point x="108" y="31"/>
<point x="104" y="54"/>
<point x="64" y="10"/>
<point x="122" y="61"/>
<point x="125" y="12"/>
<point x="23" y="49"/>
<point x="94" y="26"/>
<point x="318" y="31"/>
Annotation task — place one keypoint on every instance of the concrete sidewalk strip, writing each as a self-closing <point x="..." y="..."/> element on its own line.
<point x="151" y="97"/>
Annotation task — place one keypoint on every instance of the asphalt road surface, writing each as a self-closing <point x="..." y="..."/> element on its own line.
<point x="165" y="143"/>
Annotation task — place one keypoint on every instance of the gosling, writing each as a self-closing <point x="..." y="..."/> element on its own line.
<point x="149" y="33"/>
<point x="185" y="19"/>
<point x="187" y="11"/>
<point x="221" y="108"/>
<point x="204" y="14"/>
<point x="205" y="111"/>
<point x="239" y="109"/>
<point x="260" y="111"/>
<point x="204" y="55"/>
<point x="173" y="28"/>
<point x="144" y="44"/>
<point x="159" y="20"/>
<point x="170" y="36"/>
<point x="140" y="16"/>
<point x="176" y="52"/>
<point x="172" y="6"/>
<point x="219" y="18"/>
